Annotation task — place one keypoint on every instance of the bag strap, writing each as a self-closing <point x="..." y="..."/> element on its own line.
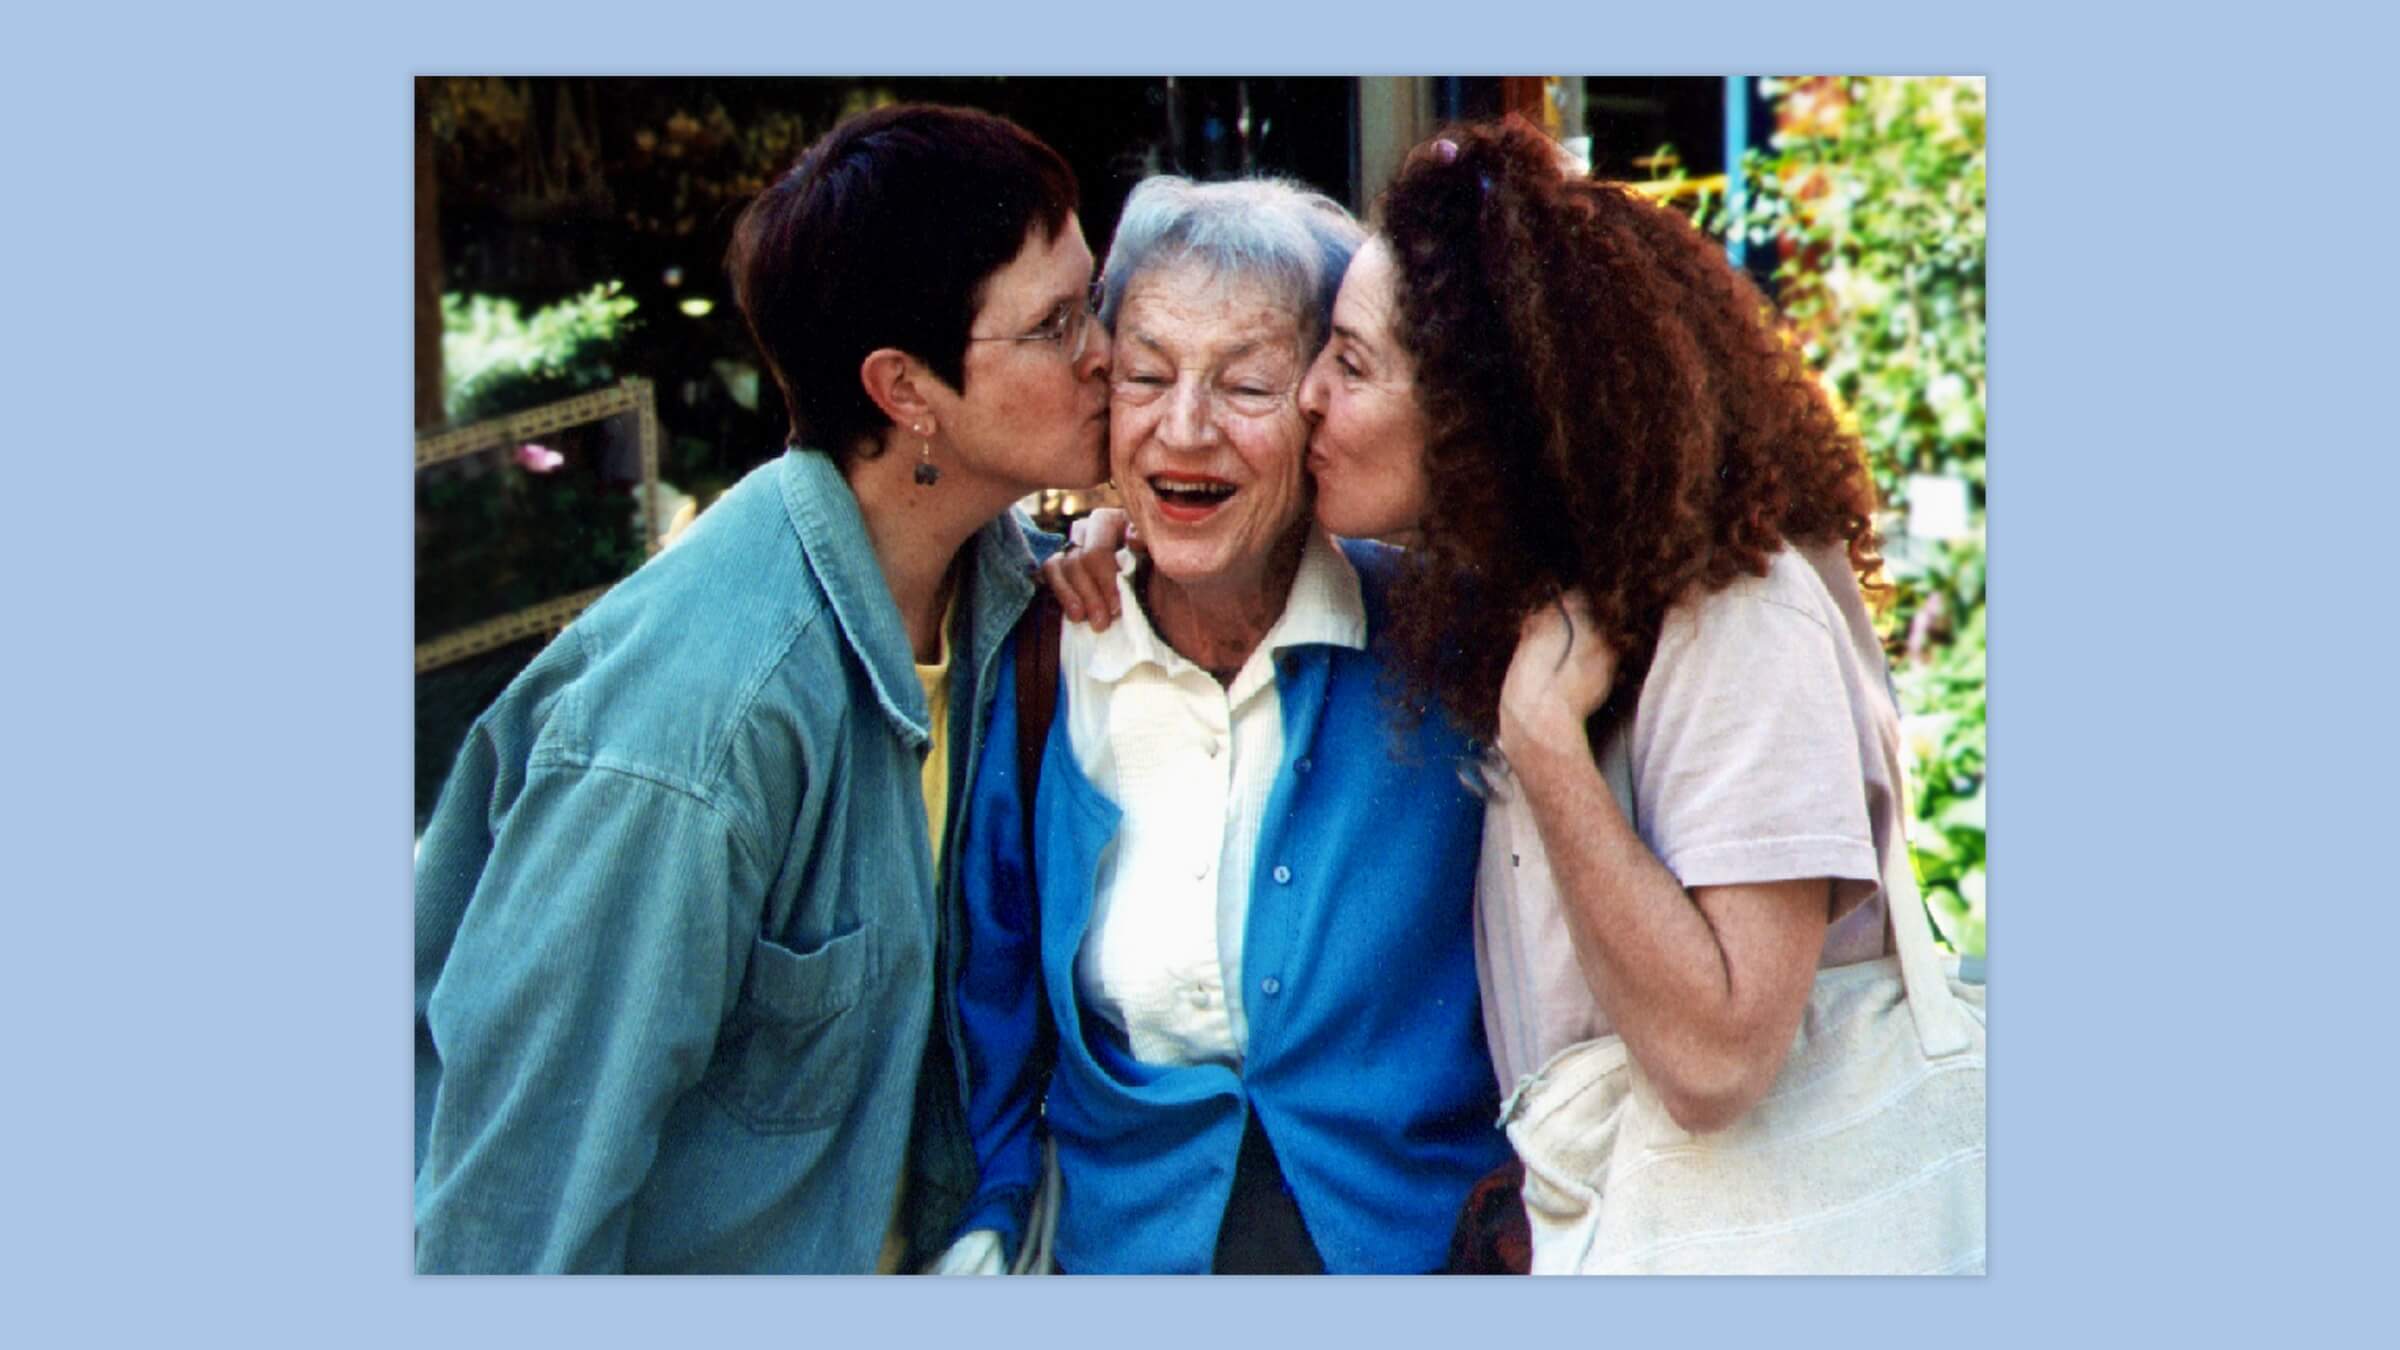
<point x="1941" y="1023"/>
<point x="1035" y="1251"/>
<point x="1037" y="696"/>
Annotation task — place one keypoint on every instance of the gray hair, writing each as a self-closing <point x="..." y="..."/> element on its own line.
<point x="1274" y="231"/>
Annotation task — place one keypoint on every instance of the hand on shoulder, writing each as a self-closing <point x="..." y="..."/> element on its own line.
<point x="1083" y="575"/>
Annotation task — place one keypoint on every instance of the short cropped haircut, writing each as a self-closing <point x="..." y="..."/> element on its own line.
<point x="1273" y="231"/>
<point x="884" y="234"/>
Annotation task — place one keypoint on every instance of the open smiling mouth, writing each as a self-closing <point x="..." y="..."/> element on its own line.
<point x="1188" y="499"/>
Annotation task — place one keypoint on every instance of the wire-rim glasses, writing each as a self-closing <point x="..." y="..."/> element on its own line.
<point x="1068" y="329"/>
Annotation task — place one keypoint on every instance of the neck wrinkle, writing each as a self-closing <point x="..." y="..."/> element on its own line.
<point x="1218" y="627"/>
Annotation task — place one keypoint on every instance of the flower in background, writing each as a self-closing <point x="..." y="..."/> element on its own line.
<point x="538" y="458"/>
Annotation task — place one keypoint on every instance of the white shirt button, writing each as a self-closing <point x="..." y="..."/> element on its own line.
<point x="1270" y="986"/>
<point x="1283" y="875"/>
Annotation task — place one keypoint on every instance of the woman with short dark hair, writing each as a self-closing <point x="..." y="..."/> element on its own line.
<point x="680" y="905"/>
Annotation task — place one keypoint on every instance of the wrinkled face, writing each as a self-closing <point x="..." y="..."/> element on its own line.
<point x="1205" y="432"/>
<point x="1031" y="417"/>
<point x="1367" y="451"/>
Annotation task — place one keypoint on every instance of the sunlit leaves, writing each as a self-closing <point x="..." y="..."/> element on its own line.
<point x="490" y="352"/>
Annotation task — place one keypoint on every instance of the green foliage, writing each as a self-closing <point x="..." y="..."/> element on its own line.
<point x="1872" y="194"/>
<point x="1876" y="188"/>
<point x="1942" y="693"/>
<point x="494" y="361"/>
<point x="498" y="532"/>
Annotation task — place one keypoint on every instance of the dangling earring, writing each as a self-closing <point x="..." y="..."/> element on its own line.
<point x="927" y="473"/>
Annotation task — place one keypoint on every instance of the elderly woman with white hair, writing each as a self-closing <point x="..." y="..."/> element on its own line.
<point x="1234" y="983"/>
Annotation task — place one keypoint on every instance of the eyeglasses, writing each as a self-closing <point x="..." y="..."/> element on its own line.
<point x="1069" y="327"/>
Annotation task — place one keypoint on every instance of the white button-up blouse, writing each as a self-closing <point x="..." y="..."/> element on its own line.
<point x="1190" y="763"/>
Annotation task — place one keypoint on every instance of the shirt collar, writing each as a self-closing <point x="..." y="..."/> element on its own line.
<point x="1323" y="608"/>
<point x="833" y="534"/>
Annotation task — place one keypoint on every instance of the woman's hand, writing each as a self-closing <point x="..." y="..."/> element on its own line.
<point x="1707" y="986"/>
<point x="1083" y="575"/>
<point x="1561" y="673"/>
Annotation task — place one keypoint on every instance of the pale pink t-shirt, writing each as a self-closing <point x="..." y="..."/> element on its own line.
<point x="1759" y="750"/>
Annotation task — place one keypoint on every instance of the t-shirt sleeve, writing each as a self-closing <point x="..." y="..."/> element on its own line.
<point x="1745" y="759"/>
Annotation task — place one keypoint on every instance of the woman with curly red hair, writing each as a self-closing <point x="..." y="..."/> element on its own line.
<point x="1643" y="548"/>
<point x="1642" y="551"/>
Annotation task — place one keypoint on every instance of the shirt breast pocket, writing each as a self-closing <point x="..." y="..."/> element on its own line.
<point x="789" y="1057"/>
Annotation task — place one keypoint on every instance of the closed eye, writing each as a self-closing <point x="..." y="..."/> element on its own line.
<point x="1055" y="325"/>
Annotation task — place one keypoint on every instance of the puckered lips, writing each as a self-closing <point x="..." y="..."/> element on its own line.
<point x="1190" y="498"/>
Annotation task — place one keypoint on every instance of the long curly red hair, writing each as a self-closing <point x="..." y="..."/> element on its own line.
<point x="1609" y="404"/>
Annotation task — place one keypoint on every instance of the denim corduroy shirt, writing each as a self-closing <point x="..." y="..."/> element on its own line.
<point x="678" y="929"/>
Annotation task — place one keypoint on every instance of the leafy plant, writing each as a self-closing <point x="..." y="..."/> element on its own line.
<point x="496" y="361"/>
<point x="498" y="533"/>
<point x="1942" y="692"/>
<point x="1873" y="191"/>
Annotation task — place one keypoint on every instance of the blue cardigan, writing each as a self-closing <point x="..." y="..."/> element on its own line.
<point x="1366" y="1062"/>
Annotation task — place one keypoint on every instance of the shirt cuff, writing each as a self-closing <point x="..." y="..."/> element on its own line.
<point x="975" y="1253"/>
<point x="1000" y="1213"/>
<point x="1759" y="861"/>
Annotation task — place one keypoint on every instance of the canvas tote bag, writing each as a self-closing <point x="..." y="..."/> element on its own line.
<point x="1866" y="1157"/>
